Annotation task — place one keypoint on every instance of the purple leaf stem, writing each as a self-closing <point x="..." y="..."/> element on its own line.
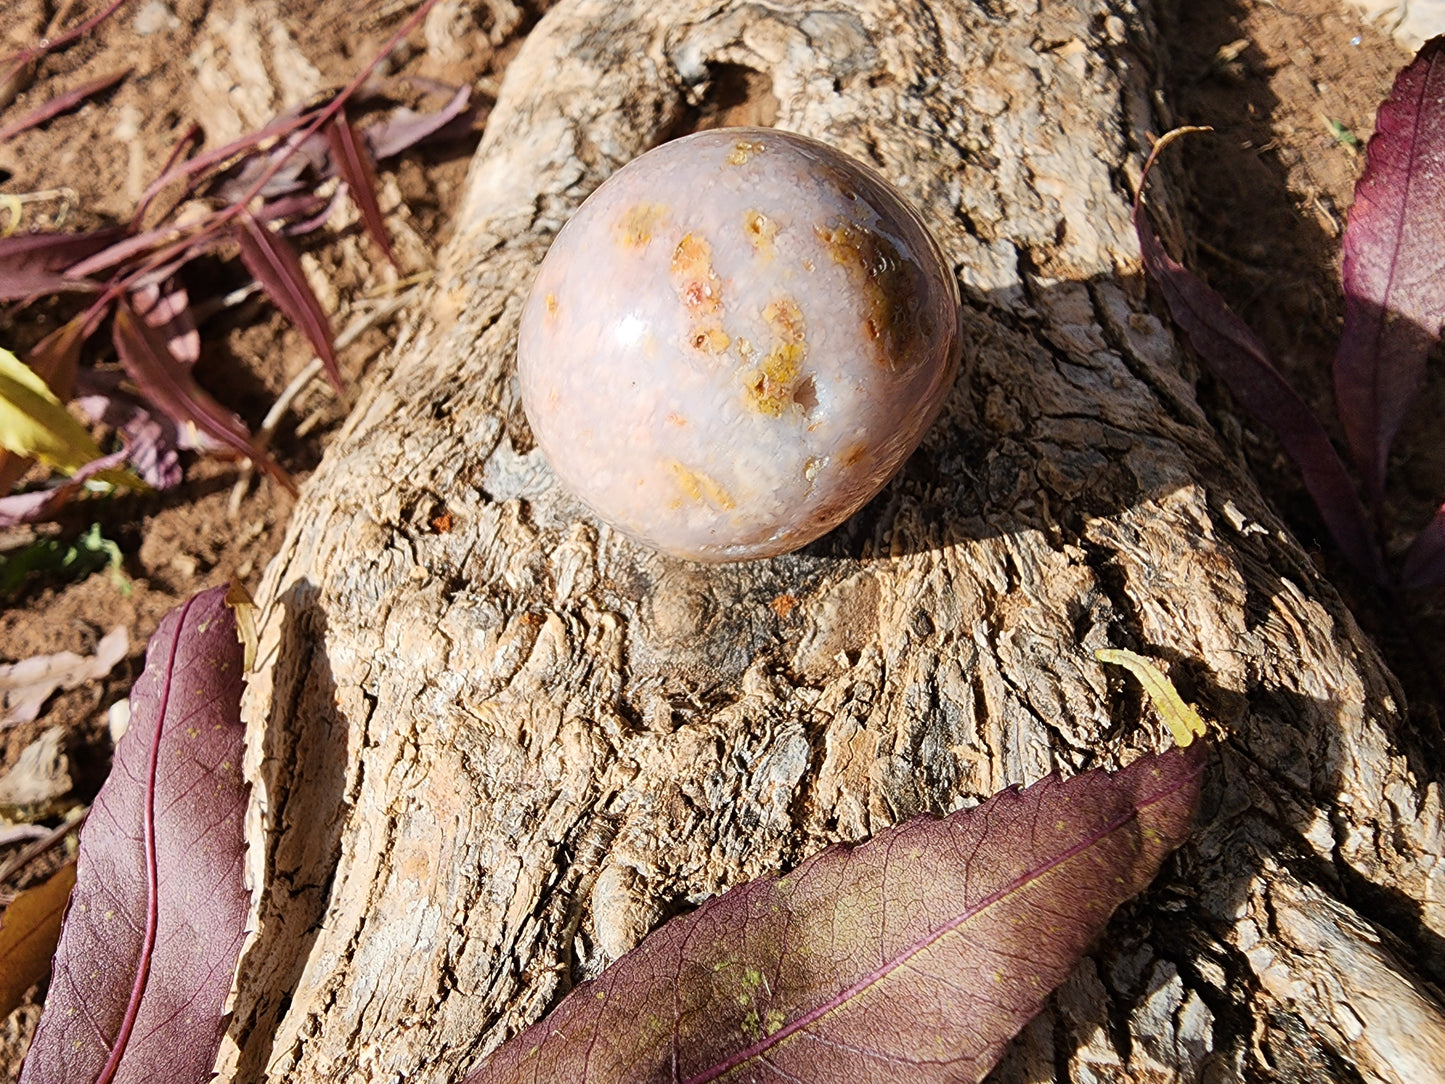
<point x="61" y="103"/>
<point x="1234" y="354"/>
<point x="1425" y="559"/>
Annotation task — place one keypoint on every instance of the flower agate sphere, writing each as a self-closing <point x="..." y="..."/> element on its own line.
<point x="735" y="343"/>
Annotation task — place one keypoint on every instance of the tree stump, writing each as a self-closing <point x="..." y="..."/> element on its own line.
<point x="494" y="743"/>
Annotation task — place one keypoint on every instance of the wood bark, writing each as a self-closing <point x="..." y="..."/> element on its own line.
<point x="494" y="743"/>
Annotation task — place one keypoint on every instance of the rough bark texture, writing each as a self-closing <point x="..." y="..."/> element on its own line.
<point x="494" y="743"/>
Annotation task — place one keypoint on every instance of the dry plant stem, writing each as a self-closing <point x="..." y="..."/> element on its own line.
<point x="22" y="858"/>
<point x="464" y="679"/>
<point x="15" y="202"/>
<point x="18" y="60"/>
<point x="301" y="381"/>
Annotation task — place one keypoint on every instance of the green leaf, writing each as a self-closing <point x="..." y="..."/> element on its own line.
<point x="35" y="424"/>
<point x="69" y="561"/>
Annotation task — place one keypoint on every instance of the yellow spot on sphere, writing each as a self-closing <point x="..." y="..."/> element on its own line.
<point x="761" y="232"/>
<point x="700" y="487"/>
<point x="638" y="224"/>
<point x="769" y="389"/>
<point x="693" y="277"/>
<point x="743" y="151"/>
<point x="710" y="339"/>
<point x="785" y="319"/>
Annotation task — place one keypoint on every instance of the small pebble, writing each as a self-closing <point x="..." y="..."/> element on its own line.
<point x="154" y="17"/>
<point x="735" y="342"/>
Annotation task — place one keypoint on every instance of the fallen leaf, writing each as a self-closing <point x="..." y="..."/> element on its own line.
<point x="405" y="128"/>
<point x="1394" y="265"/>
<point x="1234" y="354"/>
<point x="39" y="778"/>
<point x="149" y="946"/>
<point x="913" y="958"/>
<point x="26" y="685"/>
<point x="1183" y="721"/>
<point x="28" y="932"/>
<point x="244" y="607"/>
<point x="35" y="424"/>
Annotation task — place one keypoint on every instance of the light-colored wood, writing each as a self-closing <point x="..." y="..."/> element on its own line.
<point x="493" y="743"/>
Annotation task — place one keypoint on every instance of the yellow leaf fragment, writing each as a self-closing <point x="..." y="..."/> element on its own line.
<point x="35" y="424"/>
<point x="29" y="932"/>
<point x="1182" y="719"/>
<point x="241" y="604"/>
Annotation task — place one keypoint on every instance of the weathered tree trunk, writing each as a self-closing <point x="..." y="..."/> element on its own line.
<point x="494" y="743"/>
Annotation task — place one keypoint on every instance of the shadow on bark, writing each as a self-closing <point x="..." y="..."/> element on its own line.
<point x="306" y="760"/>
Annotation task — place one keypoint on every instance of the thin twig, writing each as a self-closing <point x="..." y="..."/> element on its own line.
<point x="48" y="44"/>
<point x="302" y="380"/>
<point x="26" y="855"/>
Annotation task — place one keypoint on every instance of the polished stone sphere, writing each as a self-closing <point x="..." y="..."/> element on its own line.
<point x="735" y="342"/>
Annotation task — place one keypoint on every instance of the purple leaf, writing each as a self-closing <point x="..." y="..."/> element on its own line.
<point x="1425" y="559"/>
<point x="168" y="383"/>
<point x="159" y="908"/>
<point x="912" y="958"/>
<point x="41" y="504"/>
<point x="353" y="163"/>
<point x="1234" y="354"/>
<point x="60" y="103"/>
<point x="31" y="263"/>
<point x="405" y="128"/>
<point x="1394" y="266"/>
<point x="245" y="145"/>
<point x="277" y="268"/>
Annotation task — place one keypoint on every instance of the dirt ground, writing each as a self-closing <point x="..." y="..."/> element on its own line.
<point x="1270" y="189"/>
